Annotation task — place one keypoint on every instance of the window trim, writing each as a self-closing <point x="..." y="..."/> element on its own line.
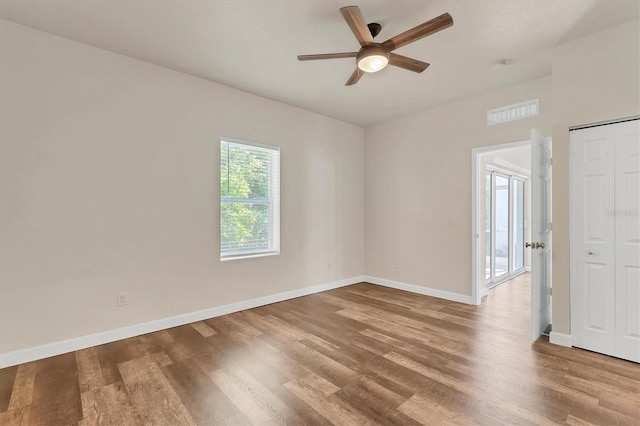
<point x="274" y="240"/>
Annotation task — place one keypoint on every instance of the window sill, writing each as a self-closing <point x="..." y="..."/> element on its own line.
<point x="248" y="255"/>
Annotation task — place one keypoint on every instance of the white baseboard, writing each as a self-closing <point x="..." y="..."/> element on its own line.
<point x="560" y="339"/>
<point x="56" y="348"/>
<point x="483" y="291"/>
<point x="426" y="291"/>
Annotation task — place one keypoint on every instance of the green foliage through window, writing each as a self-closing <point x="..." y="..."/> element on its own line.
<point x="249" y="199"/>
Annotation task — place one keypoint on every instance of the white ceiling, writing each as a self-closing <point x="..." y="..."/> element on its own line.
<point x="252" y="44"/>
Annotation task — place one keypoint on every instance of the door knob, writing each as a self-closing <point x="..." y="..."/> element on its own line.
<point x="539" y="245"/>
<point x="527" y="245"/>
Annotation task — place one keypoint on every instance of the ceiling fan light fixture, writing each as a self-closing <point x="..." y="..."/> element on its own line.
<point x="372" y="56"/>
<point x="373" y="59"/>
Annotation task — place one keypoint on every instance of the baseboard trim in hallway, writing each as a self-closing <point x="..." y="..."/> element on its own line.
<point x="560" y="339"/>
<point x="57" y="348"/>
<point x="426" y="291"/>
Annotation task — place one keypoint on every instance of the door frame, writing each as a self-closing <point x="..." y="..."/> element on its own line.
<point x="478" y="290"/>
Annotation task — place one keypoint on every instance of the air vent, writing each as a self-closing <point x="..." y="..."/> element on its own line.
<point x="513" y="112"/>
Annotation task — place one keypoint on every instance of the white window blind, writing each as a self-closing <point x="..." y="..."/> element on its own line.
<point x="249" y="199"/>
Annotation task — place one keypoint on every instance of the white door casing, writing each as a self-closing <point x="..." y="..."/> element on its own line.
<point x="605" y="239"/>
<point x="540" y="233"/>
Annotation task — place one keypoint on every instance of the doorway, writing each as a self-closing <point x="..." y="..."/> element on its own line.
<point x="502" y="210"/>
<point x="538" y="214"/>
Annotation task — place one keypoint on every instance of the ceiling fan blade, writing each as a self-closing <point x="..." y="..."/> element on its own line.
<point x="416" y="33"/>
<point x="407" y="63"/>
<point x="327" y="56"/>
<point x="358" y="25"/>
<point x="355" y="76"/>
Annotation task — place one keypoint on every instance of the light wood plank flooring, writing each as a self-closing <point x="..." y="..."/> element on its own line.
<point x="357" y="355"/>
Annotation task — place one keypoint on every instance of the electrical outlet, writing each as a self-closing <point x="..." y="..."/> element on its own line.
<point x="122" y="299"/>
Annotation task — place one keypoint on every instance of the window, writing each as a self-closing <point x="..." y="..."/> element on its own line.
<point x="249" y="199"/>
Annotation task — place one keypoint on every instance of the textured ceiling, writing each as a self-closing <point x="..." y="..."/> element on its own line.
<point x="252" y="44"/>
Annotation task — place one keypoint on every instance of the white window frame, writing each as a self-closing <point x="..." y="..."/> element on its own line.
<point x="273" y="202"/>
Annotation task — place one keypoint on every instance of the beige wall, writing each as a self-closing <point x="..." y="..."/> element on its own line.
<point x="595" y="78"/>
<point x="108" y="183"/>
<point x="108" y="177"/>
<point x="418" y="186"/>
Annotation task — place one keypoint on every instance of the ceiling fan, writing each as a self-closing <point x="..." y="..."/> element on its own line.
<point x="372" y="56"/>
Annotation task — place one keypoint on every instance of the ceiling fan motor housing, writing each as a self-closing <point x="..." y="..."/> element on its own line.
<point x="372" y="58"/>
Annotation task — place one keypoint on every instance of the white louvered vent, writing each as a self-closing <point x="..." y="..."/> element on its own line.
<point x="513" y="112"/>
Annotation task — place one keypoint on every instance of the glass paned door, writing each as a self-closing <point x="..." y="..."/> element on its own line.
<point x="501" y="225"/>
<point x="518" y="224"/>
<point x="488" y="203"/>
<point x="504" y="226"/>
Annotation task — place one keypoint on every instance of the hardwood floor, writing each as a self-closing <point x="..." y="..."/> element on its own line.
<point x="357" y="355"/>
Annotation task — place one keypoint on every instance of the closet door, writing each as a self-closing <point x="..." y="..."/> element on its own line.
<point x="593" y="240"/>
<point x="627" y="234"/>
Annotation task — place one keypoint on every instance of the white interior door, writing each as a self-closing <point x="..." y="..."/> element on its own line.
<point x="540" y="244"/>
<point x="627" y="240"/>
<point x="605" y="239"/>
<point x="592" y="239"/>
